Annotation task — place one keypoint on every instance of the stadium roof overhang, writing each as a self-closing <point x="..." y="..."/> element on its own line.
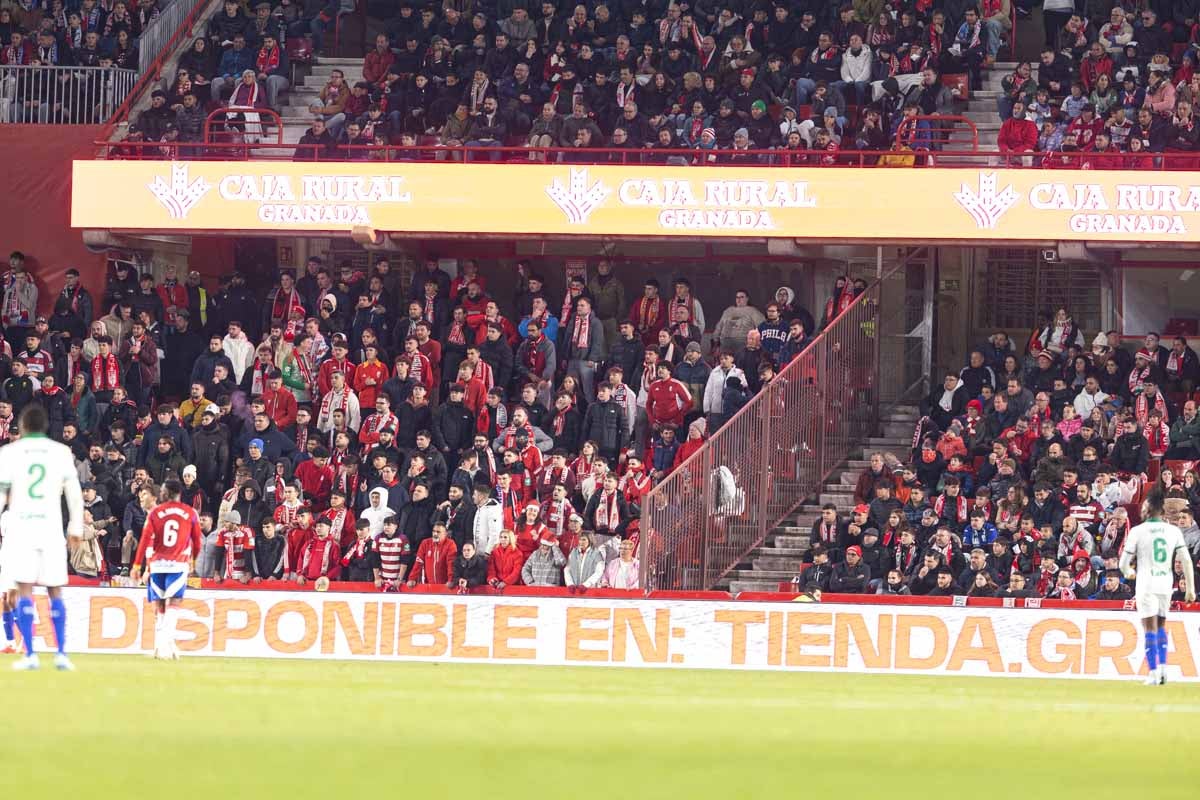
<point x="379" y="203"/>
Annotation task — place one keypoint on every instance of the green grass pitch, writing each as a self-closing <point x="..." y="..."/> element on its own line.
<point x="228" y="728"/>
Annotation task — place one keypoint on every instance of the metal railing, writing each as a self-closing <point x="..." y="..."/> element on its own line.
<point x="159" y="35"/>
<point x="719" y="504"/>
<point x="241" y="124"/>
<point x="62" y="95"/>
<point x="174" y="23"/>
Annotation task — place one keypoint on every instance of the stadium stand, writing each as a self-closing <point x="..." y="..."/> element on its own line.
<point x="782" y="83"/>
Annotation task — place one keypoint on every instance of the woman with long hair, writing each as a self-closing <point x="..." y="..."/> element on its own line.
<point x="83" y="402"/>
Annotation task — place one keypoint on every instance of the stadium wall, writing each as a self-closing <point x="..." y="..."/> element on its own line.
<point x="1081" y="643"/>
<point x="36" y="203"/>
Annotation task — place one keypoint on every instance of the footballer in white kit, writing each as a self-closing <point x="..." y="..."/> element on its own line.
<point x="36" y="474"/>
<point x="1154" y="546"/>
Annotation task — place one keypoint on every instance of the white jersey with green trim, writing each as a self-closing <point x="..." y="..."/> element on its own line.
<point x="1154" y="544"/>
<point x="36" y="473"/>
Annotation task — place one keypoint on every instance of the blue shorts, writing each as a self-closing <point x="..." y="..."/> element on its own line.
<point x="165" y="585"/>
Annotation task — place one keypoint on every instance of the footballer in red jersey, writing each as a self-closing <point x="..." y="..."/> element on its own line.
<point x="171" y="539"/>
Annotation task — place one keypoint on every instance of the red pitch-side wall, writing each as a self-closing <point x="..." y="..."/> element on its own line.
<point x="35" y="206"/>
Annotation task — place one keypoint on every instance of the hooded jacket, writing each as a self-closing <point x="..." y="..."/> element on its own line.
<point x="254" y="511"/>
<point x="376" y="514"/>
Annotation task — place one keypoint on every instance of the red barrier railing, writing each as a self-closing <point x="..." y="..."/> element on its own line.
<point x="634" y="594"/>
<point x="938" y="132"/>
<point x="230" y="125"/>
<point x="952" y="159"/>
<point x="704" y="518"/>
<point x="153" y="72"/>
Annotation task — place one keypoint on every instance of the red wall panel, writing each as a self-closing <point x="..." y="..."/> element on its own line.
<point x="35" y="206"/>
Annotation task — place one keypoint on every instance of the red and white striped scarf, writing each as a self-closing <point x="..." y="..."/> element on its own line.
<point x="607" y="512"/>
<point x="106" y="373"/>
<point x="582" y="331"/>
<point x="327" y="406"/>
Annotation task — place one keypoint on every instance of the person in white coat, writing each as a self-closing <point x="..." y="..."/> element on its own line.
<point x="489" y="519"/>
<point x="716" y="384"/>
<point x="340" y="397"/>
<point x="855" y="84"/>
<point x="585" y="565"/>
<point x="239" y="349"/>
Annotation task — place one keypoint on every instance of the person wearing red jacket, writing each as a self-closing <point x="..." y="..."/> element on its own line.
<point x="1085" y="127"/>
<point x="1019" y="440"/>
<point x="435" y="559"/>
<point x="369" y="377"/>
<point x="432" y="349"/>
<point x="279" y="401"/>
<point x="667" y="399"/>
<point x="173" y="294"/>
<point x="1018" y="135"/>
<point x="316" y="479"/>
<point x="529" y="529"/>
<point x="694" y="442"/>
<point x="473" y="388"/>
<point x="420" y="368"/>
<point x="375" y="65"/>
<point x="297" y="539"/>
<point x="505" y="562"/>
<point x="338" y="362"/>
<point x="649" y="314"/>
<point x="321" y="556"/>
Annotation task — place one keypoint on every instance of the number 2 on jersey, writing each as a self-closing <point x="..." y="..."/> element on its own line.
<point x="39" y="471"/>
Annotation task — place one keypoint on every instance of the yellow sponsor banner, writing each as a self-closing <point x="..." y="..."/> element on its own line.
<point x="594" y="200"/>
<point x="1011" y="642"/>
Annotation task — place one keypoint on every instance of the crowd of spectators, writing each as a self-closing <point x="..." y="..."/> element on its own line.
<point x="709" y="78"/>
<point x="1116" y="86"/>
<point x="79" y="33"/>
<point x="352" y="425"/>
<point x="1025" y="473"/>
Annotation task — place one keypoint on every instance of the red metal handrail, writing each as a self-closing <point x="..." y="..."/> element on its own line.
<point x="153" y="72"/>
<point x="719" y="504"/>
<point x="963" y="159"/>
<point x="224" y="113"/>
<point x="942" y="128"/>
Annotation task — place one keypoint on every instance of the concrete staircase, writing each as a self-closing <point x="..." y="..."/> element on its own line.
<point x="981" y="109"/>
<point x="778" y="558"/>
<point x="295" y="114"/>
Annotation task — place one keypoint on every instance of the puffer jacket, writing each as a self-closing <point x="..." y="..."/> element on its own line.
<point x="211" y="445"/>
<point x="604" y="424"/>
<point x="735" y="323"/>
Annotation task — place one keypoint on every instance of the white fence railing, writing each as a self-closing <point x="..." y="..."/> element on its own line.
<point x="62" y="95"/>
<point x="157" y="34"/>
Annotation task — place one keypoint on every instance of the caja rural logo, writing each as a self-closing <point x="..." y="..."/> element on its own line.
<point x="987" y="204"/>
<point x="179" y="196"/>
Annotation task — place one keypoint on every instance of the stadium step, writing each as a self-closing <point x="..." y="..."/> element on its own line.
<point x="753" y="586"/>
<point x="780" y="555"/>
